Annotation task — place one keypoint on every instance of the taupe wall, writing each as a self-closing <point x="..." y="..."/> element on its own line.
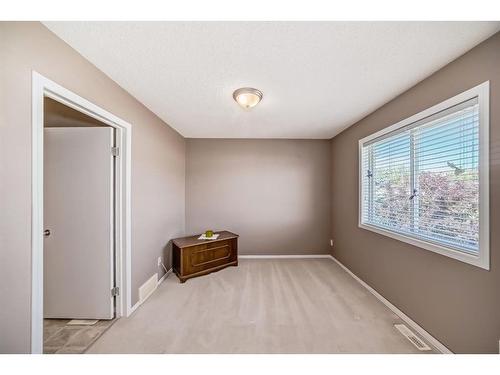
<point x="458" y="303"/>
<point x="274" y="193"/>
<point x="158" y="167"/>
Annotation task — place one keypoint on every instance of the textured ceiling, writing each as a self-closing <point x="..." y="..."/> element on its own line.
<point x="317" y="77"/>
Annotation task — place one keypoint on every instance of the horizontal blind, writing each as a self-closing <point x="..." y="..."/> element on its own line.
<point x="423" y="180"/>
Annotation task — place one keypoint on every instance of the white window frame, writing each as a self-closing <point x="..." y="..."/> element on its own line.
<point x="482" y="259"/>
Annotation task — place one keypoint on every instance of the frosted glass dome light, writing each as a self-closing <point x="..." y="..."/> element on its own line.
<point x="247" y="97"/>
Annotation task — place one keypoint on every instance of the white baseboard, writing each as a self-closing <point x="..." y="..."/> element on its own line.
<point x="133" y="308"/>
<point x="139" y="303"/>
<point x="305" y="256"/>
<point x="162" y="279"/>
<point x="426" y="335"/>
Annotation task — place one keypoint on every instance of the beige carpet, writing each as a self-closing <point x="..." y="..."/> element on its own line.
<point x="261" y="306"/>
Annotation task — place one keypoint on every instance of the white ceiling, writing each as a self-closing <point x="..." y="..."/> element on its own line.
<point x="317" y="77"/>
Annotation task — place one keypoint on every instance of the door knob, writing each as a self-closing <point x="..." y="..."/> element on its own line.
<point x="46" y="232"/>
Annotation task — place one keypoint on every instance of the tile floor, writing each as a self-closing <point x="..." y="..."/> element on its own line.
<point x="60" y="338"/>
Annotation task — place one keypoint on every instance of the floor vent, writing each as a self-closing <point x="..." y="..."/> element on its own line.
<point x="148" y="288"/>
<point x="414" y="339"/>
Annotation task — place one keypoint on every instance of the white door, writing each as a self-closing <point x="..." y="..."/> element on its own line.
<point x="78" y="211"/>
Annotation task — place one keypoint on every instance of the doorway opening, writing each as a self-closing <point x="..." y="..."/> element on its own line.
<point x="80" y="262"/>
<point x="79" y="256"/>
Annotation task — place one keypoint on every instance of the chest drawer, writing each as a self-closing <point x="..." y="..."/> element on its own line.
<point x="199" y="258"/>
<point x="209" y="254"/>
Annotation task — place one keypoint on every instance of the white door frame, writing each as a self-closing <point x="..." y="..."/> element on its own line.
<point x="44" y="87"/>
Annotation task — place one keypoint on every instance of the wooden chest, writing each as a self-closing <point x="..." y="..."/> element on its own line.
<point x="192" y="257"/>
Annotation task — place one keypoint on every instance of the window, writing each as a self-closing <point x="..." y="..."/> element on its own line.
<point x="424" y="180"/>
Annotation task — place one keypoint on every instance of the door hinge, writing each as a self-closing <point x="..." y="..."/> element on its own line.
<point x="115" y="291"/>
<point x="115" y="151"/>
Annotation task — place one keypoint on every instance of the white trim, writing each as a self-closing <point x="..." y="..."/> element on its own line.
<point x="426" y="335"/>
<point x="481" y="260"/>
<point x="313" y="256"/>
<point x="139" y="303"/>
<point x="133" y="308"/>
<point x="37" y="216"/>
<point x="44" y="87"/>
<point x="165" y="275"/>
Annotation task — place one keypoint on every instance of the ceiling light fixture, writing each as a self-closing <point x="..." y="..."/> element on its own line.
<point x="247" y="97"/>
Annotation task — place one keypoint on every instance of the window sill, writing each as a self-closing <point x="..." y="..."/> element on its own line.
<point x="480" y="261"/>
